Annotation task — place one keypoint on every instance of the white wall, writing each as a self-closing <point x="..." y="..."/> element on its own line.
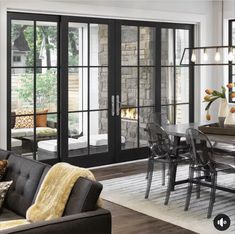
<point x="197" y="12"/>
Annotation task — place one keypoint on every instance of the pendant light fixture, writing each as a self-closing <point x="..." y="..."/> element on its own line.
<point x="215" y="52"/>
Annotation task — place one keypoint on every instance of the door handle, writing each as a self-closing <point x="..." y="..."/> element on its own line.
<point x="117" y="105"/>
<point x="113" y="105"/>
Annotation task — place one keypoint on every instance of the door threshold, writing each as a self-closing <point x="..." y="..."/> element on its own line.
<point x="118" y="164"/>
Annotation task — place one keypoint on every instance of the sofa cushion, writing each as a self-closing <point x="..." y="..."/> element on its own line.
<point x="83" y="196"/>
<point x="9" y="215"/>
<point x="4" y="154"/>
<point x="26" y="175"/>
<point x="45" y="171"/>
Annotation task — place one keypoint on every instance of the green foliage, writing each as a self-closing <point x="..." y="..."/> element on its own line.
<point x="46" y="89"/>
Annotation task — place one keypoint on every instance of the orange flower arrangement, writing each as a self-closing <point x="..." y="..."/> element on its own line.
<point x="230" y="86"/>
<point x="212" y="95"/>
<point x="232" y="110"/>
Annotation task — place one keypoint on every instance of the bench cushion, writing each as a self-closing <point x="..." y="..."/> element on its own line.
<point x="51" y="145"/>
<point x="16" y="142"/>
<point x="100" y="139"/>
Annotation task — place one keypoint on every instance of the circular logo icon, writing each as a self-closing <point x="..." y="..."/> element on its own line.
<point x="222" y="222"/>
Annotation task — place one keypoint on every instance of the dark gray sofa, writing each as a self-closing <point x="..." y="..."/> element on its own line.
<point x="81" y="215"/>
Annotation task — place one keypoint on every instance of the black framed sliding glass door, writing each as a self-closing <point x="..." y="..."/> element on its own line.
<point x="136" y="86"/>
<point x="82" y="89"/>
<point x="150" y="79"/>
<point x="87" y="72"/>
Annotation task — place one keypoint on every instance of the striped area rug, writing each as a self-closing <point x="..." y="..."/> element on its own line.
<point x="129" y="192"/>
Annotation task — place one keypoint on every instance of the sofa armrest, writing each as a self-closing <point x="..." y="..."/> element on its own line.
<point x="92" y="222"/>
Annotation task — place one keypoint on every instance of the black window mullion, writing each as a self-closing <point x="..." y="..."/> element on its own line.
<point x="158" y="77"/>
<point x="138" y="86"/>
<point x="9" y="116"/>
<point x="174" y="78"/>
<point x="191" y="77"/>
<point x="88" y="87"/>
<point x="58" y="92"/>
<point x="34" y="89"/>
<point x="63" y="89"/>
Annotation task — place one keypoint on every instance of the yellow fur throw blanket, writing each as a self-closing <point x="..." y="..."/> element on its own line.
<point x="53" y="194"/>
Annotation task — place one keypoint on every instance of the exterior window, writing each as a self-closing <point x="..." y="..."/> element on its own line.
<point x="176" y="81"/>
<point x="17" y="58"/>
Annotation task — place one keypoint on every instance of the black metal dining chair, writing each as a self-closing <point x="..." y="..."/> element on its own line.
<point x="162" y="151"/>
<point x="202" y="160"/>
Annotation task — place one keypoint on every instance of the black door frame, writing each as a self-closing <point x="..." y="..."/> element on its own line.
<point x="114" y="86"/>
<point x="90" y="159"/>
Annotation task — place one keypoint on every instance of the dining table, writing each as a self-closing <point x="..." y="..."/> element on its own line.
<point x="179" y="130"/>
<point x="225" y="142"/>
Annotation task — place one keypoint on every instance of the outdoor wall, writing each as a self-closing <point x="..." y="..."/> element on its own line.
<point x="196" y="12"/>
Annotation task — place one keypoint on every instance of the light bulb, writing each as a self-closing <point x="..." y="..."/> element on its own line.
<point x="205" y="55"/>
<point x="217" y="55"/>
<point x="230" y="55"/>
<point x="193" y="57"/>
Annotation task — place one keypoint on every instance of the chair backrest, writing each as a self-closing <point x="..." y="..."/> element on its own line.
<point x="200" y="147"/>
<point x="159" y="141"/>
<point x="158" y="118"/>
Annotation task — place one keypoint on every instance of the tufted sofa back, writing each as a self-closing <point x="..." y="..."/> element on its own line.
<point x="26" y="175"/>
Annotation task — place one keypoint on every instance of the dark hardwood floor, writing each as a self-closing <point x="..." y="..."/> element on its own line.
<point x="127" y="221"/>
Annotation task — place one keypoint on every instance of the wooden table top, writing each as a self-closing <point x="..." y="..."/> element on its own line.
<point x="180" y="130"/>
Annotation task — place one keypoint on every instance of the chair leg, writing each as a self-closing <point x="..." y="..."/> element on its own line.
<point x="148" y="167"/>
<point x="170" y="183"/>
<point x="190" y="187"/>
<point x="150" y="176"/>
<point x="173" y="175"/>
<point x="163" y="173"/>
<point x="212" y="195"/>
<point x="198" y="187"/>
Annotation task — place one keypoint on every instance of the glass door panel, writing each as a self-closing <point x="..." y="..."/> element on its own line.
<point x="175" y="80"/>
<point x="34" y="84"/>
<point x="88" y="99"/>
<point x="137" y="88"/>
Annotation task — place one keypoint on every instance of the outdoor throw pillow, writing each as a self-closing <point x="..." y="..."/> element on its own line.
<point x="41" y="119"/>
<point x="4" y="186"/>
<point x="3" y="167"/>
<point x="24" y="121"/>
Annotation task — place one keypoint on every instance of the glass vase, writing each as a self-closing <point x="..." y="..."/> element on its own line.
<point x="230" y="120"/>
<point x="223" y="111"/>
